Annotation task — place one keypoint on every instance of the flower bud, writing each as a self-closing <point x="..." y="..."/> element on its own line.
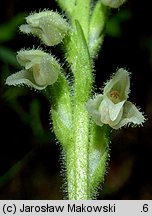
<point x="113" y="3"/>
<point x="41" y="69"/>
<point x="49" y="26"/>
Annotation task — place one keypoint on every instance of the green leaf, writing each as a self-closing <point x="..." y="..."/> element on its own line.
<point x="98" y="156"/>
<point x="79" y="58"/>
<point x="61" y="110"/>
<point x="97" y="26"/>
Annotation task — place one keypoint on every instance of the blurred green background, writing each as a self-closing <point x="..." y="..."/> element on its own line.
<point x="30" y="161"/>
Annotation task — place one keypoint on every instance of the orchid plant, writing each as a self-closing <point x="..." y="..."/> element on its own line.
<point x="81" y="122"/>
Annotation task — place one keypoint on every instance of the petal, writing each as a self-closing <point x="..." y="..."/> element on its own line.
<point x="104" y="111"/>
<point x="49" y="70"/>
<point x="25" y="28"/>
<point x="53" y="32"/>
<point x="115" y="109"/>
<point x="28" y="58"/>
<point x="110" y="113"/>
<point x="23" y="77"/>
<point x="92" y="107"/>
<point x="120" y="82"/>
<point x="33" y="19"/>
<point x="131" y="115"/>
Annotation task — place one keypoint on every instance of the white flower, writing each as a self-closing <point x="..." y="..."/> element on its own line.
<point x="49" y="26"/>
<point x="41" y="69"/>
<point x="112" y="107"/>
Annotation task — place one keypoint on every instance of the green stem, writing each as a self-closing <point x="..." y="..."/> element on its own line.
<point x="77" y="10"/>
<point x="77" y="157"/>
<point x="84" y="40"/>
<point x="81" y="13"/>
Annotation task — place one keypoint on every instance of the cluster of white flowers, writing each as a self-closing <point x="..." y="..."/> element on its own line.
<point x="40" y="69"/>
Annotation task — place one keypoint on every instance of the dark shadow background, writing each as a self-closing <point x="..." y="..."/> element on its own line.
<point x="30" y="165"/>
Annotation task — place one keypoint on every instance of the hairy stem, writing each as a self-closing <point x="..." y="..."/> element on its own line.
<point x="81" y="45"/>
<point x="77" y="157"/>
